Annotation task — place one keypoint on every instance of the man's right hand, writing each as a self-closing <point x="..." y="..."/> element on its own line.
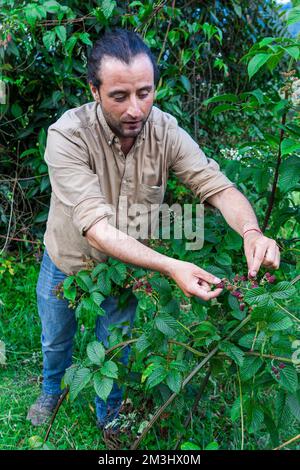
<point x="193" y="280"/>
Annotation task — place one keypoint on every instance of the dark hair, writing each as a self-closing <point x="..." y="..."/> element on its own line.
<point x="121" y="44"/>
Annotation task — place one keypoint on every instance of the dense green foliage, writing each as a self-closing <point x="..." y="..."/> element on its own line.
<point x="229" y="75"/>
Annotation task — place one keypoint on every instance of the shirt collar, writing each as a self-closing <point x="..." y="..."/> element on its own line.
<point x="109" y="134"/>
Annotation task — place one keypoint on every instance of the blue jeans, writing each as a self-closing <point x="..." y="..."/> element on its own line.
<point x="59" y="326"/>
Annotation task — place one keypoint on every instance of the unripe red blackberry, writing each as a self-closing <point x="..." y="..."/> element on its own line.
<point x="221" y="285"/>
<point x="282" y="365"/>
<point x="271" y="279"/>
<point x="242" y="307"/>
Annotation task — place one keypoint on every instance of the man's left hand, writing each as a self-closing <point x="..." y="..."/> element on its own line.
<point x="260" y="250"/>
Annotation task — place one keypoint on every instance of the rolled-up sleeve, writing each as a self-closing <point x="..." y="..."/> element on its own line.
<point x="72" y="179"/>
<point x="190" y="164"/>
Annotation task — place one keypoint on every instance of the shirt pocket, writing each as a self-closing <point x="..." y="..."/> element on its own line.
<point x="150" y="194"/>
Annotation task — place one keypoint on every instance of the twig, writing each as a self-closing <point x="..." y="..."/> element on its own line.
<point x="276" y="175"/>
<point x="61" y="399"/>
<point x="288" y="442"/>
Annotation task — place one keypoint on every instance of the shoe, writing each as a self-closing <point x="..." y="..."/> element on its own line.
<point x="40" y="411"/>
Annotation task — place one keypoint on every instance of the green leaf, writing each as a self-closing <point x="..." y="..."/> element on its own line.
<point x="84" y="281"/>
<point x="49" y="39"/>
<point x="233" y="352"/>
<point x="283" y="290"/>
<point x="61" y="33"/>
<point x="249" y="368"/>
<point x="52" y="6"/>
<point x="272" y="428"/>
<point x="212" y="446"/>
<point x="97" y="298"/>
<point x="173" y="380"/>
<point x="70" y="293"/>
<point x="166" y="324"/>
<point x="117" y="274"/>
<point x="289" y="173"/>
<point x="108" y="7"/>
<point x="68" y="281"/>
<point x="110" y="369"/>
<point x="293" y="51"/>
<point x="294" y="15"/>
<point x="221" y="108"/>
<point x="256" y="63"/>
<point x="279" y="321"/>
<point x="98" y="269"/>
<point x="189" y="446"/>
<point x="104" y="283"/>
<point x="103" y="386"/>
<point x="80" y="379"/>
<point x="255" y="417"/>
<point x="186" y="83"/>
<point x="293" y="402"/>
<point x="226" y="97"/>
<point x="258" y="296"/>
<point x="235" y="411"/>
<point x="96" y="352"/>
<point x="289" y="146"/>
<point x="85" y="38"/>
<point x="288" y="378"/>
<point x="156" y="377"/>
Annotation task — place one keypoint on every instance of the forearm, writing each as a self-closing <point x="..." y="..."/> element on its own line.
<point x="235" y="208"/>
<point x="113" y="242"/>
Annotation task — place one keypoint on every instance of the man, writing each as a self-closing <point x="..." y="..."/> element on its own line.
<point x="103" y="157"/>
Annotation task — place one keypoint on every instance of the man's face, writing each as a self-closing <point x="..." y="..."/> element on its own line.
<point x="126" y="94"/>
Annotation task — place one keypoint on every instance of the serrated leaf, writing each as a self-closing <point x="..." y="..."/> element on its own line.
<point x="232" y="351"/>
<point x="103" y="386"/>
<point x="108" y="7"/>
<point x="70" y="293"/>
<point x="249" y="368"/>
<point x="110" y="369"/>
<point x="288" y="378"/>
<point x="156" y="377"/>
<point x="98" y="269"/>
<point x="293" y="402"/>
<point x="97" y="298"/>
<point x="258" y="296"/>
<point x="283" y="290"/>
<point x="84" y="281"/>
<point x="80" y="379"/>
<point x="96" y="352"/>
<point x="166" y="324"/>
<point x="279" y="321"/>
<point x="104" y="283"/>
<point x="173" y="380"/>
<point x="68" y="281"/>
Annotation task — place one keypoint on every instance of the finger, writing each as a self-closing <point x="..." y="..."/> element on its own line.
<point x="249" y="253"/>
<point x="259" y="254"/>
<point x="204" y="285"/>
<point x="205" y="276"/>
<point x="277" y="259"/>
<point x="206" y="295"/>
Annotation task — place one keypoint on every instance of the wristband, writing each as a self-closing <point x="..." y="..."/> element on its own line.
<point x="256" y="229"/>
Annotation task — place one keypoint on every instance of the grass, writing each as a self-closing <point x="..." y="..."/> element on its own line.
<point x="74" y="426"/>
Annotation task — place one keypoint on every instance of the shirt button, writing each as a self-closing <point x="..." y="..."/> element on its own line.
<point x="109" y="142"/>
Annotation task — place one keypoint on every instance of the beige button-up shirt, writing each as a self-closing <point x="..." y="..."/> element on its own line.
<point x="91" y="178"/>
